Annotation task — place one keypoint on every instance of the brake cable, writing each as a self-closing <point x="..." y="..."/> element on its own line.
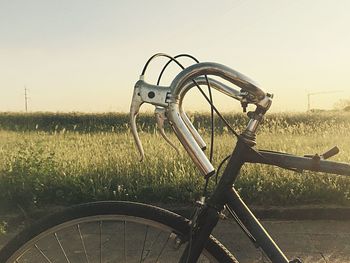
<point x="213" y="109"/>
<point x="202" y="92"/>
<point x="209" y="100"/>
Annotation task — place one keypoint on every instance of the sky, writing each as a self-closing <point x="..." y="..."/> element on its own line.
<point x="86" y="55"/>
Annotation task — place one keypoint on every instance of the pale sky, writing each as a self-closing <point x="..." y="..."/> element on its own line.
<point x="86" y="55"/>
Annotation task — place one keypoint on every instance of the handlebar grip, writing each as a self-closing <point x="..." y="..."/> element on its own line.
<point x="188" y="141"/>
<point x="192" y="129"/>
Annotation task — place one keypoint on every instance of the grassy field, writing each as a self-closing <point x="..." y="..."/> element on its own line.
<point x="92" y="157"/>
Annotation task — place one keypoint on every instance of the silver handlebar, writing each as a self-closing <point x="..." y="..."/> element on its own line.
<point x="210" y="68"/>
<point x="171" y="98"/>
<point x="214" y="84"/>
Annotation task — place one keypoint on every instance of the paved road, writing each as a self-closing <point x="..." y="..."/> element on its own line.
<point x="314" y="241"/>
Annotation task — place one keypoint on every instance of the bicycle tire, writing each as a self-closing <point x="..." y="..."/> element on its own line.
<point x="67" y="236"/>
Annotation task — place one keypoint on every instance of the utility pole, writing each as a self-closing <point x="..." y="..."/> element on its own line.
<point x="317" y="93"/>
<point x="25" y="99"/>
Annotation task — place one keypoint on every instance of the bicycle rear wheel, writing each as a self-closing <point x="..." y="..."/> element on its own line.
<point x="107" y="232"/>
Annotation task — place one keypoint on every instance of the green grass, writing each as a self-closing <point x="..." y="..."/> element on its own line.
<point x="64" y="166"/>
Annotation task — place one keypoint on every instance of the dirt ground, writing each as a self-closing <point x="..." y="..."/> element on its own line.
<point x="312" y="240"/>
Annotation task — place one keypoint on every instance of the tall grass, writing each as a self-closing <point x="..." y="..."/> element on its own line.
<point x="64" y="166"/>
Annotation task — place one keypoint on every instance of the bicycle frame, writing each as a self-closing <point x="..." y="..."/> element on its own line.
<point x="225" y="194"/>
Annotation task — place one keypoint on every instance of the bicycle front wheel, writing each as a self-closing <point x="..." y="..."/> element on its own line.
<point x="107" y="232"/>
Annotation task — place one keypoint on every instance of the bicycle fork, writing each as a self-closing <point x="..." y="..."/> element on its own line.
<point x="202" y="225"/>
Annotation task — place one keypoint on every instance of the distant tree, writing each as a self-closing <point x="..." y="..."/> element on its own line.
<point x="343" y="104"/>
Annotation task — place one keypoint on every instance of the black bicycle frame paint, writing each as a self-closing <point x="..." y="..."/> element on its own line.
<point x="225" y="194"/>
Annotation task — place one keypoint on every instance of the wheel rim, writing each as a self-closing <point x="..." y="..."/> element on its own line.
<point x="103" y="239"/>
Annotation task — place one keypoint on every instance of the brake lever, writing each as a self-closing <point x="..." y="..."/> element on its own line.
<point x="328" y="154"/>
<point x="145" y="93"/>
<point x="134" y="111"/>
<point x="160" y="118"/>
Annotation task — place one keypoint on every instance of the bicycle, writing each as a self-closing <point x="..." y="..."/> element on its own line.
<point x="138" y="232"/>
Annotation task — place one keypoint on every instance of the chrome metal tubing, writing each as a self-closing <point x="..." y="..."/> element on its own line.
<point x="219" y="86"/>
<point x="231" y="92"/>
<point x="201" y="143"/>
<point x="184" y="81"/>
<point x="185" y="131"/>
<point x="252" y="125"/>
<point x="187" y="140"/>
<point x="210" y="68"/>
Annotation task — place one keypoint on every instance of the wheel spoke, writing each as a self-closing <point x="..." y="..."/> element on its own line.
<point x="124" y="241"/>
<point x="59" y="243"/>
<point x="42" y="253"/>
<point x="87" y="234"/>
<point x="151" y="246"/>
<point x="83" y="243"/>
<point x="144" y="243"/>
<point x="100" y="226"/>
<point x="161" y="251"/>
